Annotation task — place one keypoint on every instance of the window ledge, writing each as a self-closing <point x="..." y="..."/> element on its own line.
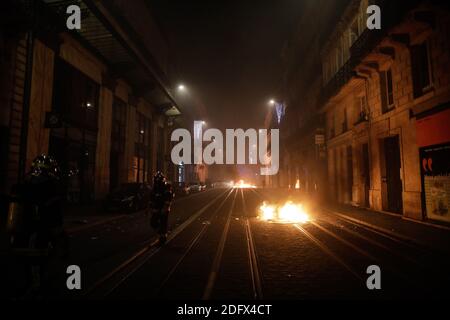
<point x="391" y="108"/>
<point x="360" y="121"/>
<point x="428" y="95"/>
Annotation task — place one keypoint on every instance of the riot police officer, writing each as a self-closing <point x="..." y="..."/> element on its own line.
<point x="40" y="227"/>
<point x="161" y="200"/>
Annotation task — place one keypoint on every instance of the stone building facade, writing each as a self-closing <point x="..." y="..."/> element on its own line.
<point x="302" y="151"/>
<point x="98" y="99"/>
<point x="385" y="100"/>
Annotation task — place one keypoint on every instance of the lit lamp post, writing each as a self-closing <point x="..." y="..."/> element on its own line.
<point x="198" y="149"/>
<point x="181" y="88"/>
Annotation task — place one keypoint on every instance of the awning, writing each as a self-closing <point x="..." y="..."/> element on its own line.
<point x="137" y="67"/>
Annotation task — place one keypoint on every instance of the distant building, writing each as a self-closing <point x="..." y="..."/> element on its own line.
<point x="272" y="121"/>
<point x="384" y="103"/>
<point x="303" y="149"/>
<point x="98" y="99"/>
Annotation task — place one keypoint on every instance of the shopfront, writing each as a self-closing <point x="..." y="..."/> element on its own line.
<point x="433" y="137"/>
<point x="142" y="152"/>
<point x="74" y="144"/>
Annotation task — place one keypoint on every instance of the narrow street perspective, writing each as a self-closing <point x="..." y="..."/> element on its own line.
<point x="204" y="151"/>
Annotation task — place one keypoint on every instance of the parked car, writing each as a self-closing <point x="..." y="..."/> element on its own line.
<point x="129" y="196"/>
<point x="221" y="184"/>
<point x="181" y="190"/>
<point x="194" y="187"/>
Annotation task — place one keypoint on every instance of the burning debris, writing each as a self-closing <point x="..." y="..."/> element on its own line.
<point x="243" y="185"/>
<point x="289" y="212"/>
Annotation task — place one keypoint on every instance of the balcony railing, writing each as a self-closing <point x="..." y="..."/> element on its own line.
<point x="391" y="13"/>
<point x="362" y="117"/>
<point x="344" y="75"/>
<point x="365" y="43"/>
<point x="314" y="123"/>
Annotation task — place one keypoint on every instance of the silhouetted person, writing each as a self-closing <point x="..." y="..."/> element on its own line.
<point x="41" y="196"/>
<point x="161" y="200"/>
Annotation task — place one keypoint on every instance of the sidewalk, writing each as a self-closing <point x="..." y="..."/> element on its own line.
<point x="433" y="237"/>
<point x="81" y="217"/>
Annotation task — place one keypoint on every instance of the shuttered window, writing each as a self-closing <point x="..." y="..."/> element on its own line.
<point x="387" y="92"/>
<point x="75" y="96"/>
<point x="142" y="152"/>
<point x="421" y="69"/>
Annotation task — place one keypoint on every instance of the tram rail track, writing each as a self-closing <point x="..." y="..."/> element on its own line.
<point x="106" y="284"/>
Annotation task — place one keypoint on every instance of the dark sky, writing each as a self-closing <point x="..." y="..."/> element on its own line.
<point x="228" y="53"/>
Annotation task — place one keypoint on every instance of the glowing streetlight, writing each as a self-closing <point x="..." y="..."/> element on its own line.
<point x="271" y="102"/>
<point x="181" y="88"/>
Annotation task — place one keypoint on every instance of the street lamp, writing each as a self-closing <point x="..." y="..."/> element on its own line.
<point x="181" y="88"/>
<point x="271" y="102"/>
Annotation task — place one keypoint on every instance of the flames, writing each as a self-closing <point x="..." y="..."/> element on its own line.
<point x="267" y="212"/>
<point x="289" y="212"/>
<point x="242" y="185"/>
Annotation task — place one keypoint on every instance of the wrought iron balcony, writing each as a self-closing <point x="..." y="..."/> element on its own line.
<point x="345" y="73"/>
<point x="366" y="43"/>
<point x="362" y="117"/>
<point x="314" y="123"/>
<point x="391" y="13"/>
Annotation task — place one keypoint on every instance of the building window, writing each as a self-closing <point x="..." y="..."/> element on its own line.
<point x="349" y="179"/>
<point x="76" y="96"/>
<point x="362" y="19"/>
<point x="362" y="109"/>
<point x="337" y="53"/>
<point x="354" y="31"/>
<point x="142" y="154"/>
<point x="421" y="66"/>
<point x="333" y="66"/>
<point x="325" y="71"/>
<point x="344" y="122"/>
<point x="118" y="131"/>
<point x="345" y="47"/>
<point x="332" y="130"/>
<point x="362" y="104"/>
<point x="387" y="91"/>
<point x="330" y="67"/>
<point x="118" y="126"/>
<point x="160" y="149"/>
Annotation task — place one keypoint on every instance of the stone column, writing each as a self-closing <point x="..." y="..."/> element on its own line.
<point x="166" y="151"/>
<point x="375" y="172"/>
<point x="331" y="174"/>
<point x="155" y="141"/>
<point x="128" y="169"/>
<point x="411" y="179"/>
<point x="104" y="136"/>
<point x="338" y="155"/>
<point x="40" y="101"/>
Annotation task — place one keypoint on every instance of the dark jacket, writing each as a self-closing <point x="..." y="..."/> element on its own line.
<point x="161" y="197"/>
<point x="43" y="199"/>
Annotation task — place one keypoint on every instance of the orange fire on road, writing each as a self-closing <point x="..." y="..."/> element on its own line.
<point x="289" y="212"/>
<point x="242" y="185"/>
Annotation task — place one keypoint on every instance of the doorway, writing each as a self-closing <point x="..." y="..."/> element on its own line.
<point x="349" y="179"/>
<point x="114" y="170"/>
<point x="365" y="174"/>
<point x="390" y="177"/>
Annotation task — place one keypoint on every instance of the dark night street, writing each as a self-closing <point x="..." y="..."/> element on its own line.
<point x="227" y="158"/>
<point x="218" y="249"/>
